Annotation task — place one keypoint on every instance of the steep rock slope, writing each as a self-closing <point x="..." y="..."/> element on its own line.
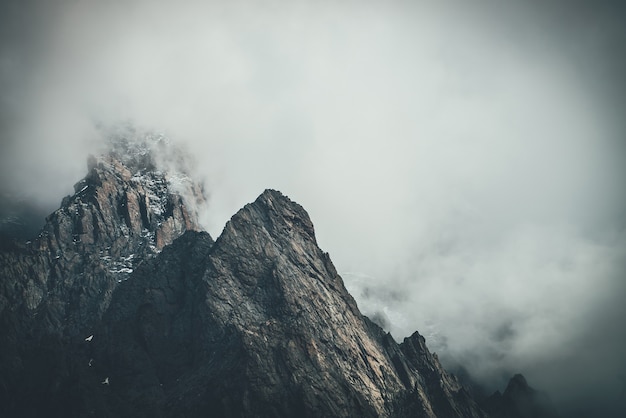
<point x="258" y="324"/>
<point x="55" y="287"/>
<point x="519" y="400"/>
<point x="120" y="308"/>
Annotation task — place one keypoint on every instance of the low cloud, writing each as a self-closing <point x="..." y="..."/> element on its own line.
<point x="463" y="164"/>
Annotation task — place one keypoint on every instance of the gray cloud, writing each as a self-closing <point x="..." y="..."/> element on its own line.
<point x="463" y="163"/>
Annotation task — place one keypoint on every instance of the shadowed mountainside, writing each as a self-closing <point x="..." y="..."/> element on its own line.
<point x="120" y="308"/>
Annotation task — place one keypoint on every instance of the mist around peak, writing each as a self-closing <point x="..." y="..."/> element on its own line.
<point x="143" y="153"/>
<point x="463" y="159"/>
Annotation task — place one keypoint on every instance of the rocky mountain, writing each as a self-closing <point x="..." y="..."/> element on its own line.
<point x="58" y="285"/>
<point x="519" y="400"/>
<point x="122" y="307"/>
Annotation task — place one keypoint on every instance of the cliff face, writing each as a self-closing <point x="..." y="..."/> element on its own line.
<point x="256" y="324"/>
<point x="97" y="321"/>
<point x="58" y="285"/>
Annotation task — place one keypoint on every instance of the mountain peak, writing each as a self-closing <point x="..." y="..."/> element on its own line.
<point x="518" y="383"/>
<point x="141" y="150"/>
<point x="519" y="400"/>
<point x="125" y="196"/>
<point x="121" y="214"/>
<point x="293" y="215"/>
<point x="273" y="215"/>
<point x="268" y="329"/>
<point x="120" y="290"/>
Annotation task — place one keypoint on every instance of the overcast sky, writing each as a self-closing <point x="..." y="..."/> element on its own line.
<point x="462" y="161"/>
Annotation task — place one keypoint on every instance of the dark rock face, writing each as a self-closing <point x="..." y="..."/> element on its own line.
<point x="520" y="401"/>
<point x="97" y="321"/>
<point x="256" y="324"/>
<point x="55" y="288"/>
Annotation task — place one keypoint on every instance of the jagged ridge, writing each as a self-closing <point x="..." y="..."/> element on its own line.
<point x="257" y="323"/>
<point x="57" y="285"/>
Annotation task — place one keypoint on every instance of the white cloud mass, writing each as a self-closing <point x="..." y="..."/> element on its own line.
<point x="463" y="162"/>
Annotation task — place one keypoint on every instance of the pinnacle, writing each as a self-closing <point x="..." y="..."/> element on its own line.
<point x="518" y="382"/>
<point x="277" y="211"/>
<point x="270" y="196"/>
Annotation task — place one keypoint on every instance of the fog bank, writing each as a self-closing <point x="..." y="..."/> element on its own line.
<point x="462" y="163"/>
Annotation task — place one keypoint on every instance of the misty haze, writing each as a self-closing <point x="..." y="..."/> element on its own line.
<point x="462" y="162"/>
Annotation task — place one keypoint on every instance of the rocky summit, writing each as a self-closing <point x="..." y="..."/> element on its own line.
<point x="122" y="307"/>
